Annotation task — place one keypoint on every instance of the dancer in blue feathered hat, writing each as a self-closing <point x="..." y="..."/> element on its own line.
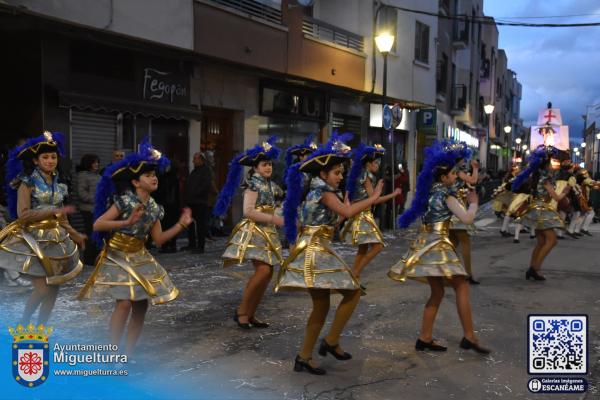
<point x="540" y="214"/>
<point x="460" y="233"/>
<point x="432" y="257"/>
<point x="299" y="153"/>
<point x="255" y="237"/>
<point x="362" y="230"/>
<point x="125" y="269"/>
<point x="40" y="243"/>
<point x="312" y="264"/>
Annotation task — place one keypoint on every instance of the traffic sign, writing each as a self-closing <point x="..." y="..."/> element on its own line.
<point x="387" y="117"/>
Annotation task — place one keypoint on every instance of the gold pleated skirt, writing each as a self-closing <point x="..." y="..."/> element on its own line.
<point x="541" y="215"/>
<point x="362" y="229"/>
<point x="43" y="248"/>
<point x="431" y="254"/>
<point x="125" y="270"/>
<point x="502" y="201"/>
<point x="252" y="241"/>
<point x="313" y="264"/>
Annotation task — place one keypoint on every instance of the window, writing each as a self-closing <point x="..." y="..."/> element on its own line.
<point x="388" y="22"/>
<point x="442" y="74"/>
<point x="422" y="43"/>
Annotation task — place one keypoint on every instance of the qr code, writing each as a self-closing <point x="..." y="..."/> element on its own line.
<point x="557" y="344"/>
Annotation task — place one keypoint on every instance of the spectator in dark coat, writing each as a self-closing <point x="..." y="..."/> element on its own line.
<point x="198" y="189"/>
<point x="167" y="195"/>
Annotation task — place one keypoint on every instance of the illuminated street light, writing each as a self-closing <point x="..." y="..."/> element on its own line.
<point x="518" y="140"/>
<point x="384" y="42"/>
<point x="576" y="149"/>
<point x="507" y="128"/>
<point x="524" y="147"/>
<point x="583" y="144"/>
<point x="488" y="109"/>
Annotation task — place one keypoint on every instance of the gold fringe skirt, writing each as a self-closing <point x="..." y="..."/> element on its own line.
<point x="313" y="264"/>
<point x="362" y="229"/>
<point x="125" y="270"/>
<point x="431" y="254"/>
<point x="39" y="249"/>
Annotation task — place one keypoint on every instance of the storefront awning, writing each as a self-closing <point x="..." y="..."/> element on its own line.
<point x="113" y="104"/>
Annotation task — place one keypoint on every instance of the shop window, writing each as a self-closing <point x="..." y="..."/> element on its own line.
<point x="347" y="123"/>
<point x="422" y="42"/>
<point x="290" y="132"/>
<point x="292" y="102"/>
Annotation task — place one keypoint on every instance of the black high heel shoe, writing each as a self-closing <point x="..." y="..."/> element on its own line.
<point x="243" y="325"/>
<point x="256" y="323"/>
<point x="468" y="345"/>
<point x="327" y="348"/>
<point x="303" y="365"/>
<point x="422" y="346"/>
<point x="532" y="273"/>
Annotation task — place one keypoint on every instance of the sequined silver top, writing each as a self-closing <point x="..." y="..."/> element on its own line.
<point x="437" y="210"/>
<point x="360" y="193"/>
<point x="545" y="177"/>
<point x="152" y="213"/>
<point x="44" y="195"/>
<point x="269" y="193"/>
<point x="312" y="211"/>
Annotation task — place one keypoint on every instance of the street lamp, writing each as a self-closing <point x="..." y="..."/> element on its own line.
<point x="488" y="109"/>
<point x="524" y="147"/>
<point x="384" y="42"/>
<point x="576" y="149"/>
<point x="518" y="140"/>
<point x="583" y="144"/>
<point x="507" y="129"/>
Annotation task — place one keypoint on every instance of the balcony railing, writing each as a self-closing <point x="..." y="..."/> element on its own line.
<point x="321" y="30"/>
<point x="459" y="98"/>
<point x="253" y="9"/>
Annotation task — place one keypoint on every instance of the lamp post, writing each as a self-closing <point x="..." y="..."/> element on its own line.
<point x="488" y="109"/>
<point x="597" y="151"/>
<point x="384" y="42"/>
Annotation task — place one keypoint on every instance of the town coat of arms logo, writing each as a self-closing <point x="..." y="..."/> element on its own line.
<point x="30" y="354"/>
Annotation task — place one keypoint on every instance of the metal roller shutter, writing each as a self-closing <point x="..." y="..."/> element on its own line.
<point x="94" y="133"/>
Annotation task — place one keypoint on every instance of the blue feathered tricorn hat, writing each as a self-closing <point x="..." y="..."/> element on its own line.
<point x="536" y="159"/>
<point x="444" y="153"/>
<point x="251" y="157"/>
<point x="307" y="147"/>
<point x="45" y="143"/>
<point x="147" y="158"/>
<point x="335" y="151"/>
<point x="360" y="156"/>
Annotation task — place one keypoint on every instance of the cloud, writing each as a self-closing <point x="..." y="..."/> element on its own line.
<point x="553" y="64"/>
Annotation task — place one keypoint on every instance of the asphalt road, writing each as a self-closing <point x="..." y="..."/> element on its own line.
<point x="192" y="348"/>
